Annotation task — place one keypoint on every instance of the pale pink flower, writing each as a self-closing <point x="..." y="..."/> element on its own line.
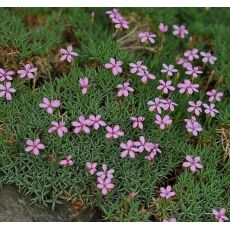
<point x="151" y="156"/>
<point x="113" y="13"/>
<point x="195" y="107"/>
<point x="6" y="75"/>
<point x="165" y="86"/>
<point x="156" y="105"/>
<point x="138" y="122"/>
<point x="184" y="62"/>
<point x="155" y="148"/>
<point x="67" y="54"/>
<point x="129" y="149"/>
<point x="193" y="163"/>
<point x="114" y="132"/>
<point x="214" y="95"/>
<point x="208" y="57"/>
<point x="143" y="145"/>
<point x="91" y="167"/>
<point x="191" y="54"/>
<point x="105" y="185"/>
<point x="169" y="70"/>
<point x="115" y="66"/>
<point x="163" y="28"/>
<point x="120" y="22"/>
<point x="137" y="67"/>
<point x="167" y="192"/>
<point x="6" y="90"/>
<point x="96" y="121"/>
<point x="84" y="84"/>
<point x="58" y="127"/>
<point x="188" y="87"/>
<point x="220" y="215"/>
<point x="181" y="31"/>
<point x="168" y="104"/>
<point x="193" y="126"/>
<point x="194" y="71"/>
<point x="124" y="89"/>
<point x="105" y="173"/>
<point x="145" y="75"/>
<point x="28" y="71"/>
<point x="210" y="109"/>
<point x="146" y="37"/>
<point x="34" y="147"/>
<point x="49" y="105"/>
<point x="163" y="122"/>
<point x="133" y="194"/>
<point x="68" y="161"/>
<point x="170" y="220"/>
<point x="81" y="125"/>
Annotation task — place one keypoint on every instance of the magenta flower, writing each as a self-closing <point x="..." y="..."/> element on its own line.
<point x="170" y="220"/>
<point x="113" y="13"/>
<point x="210" y="109"/>
<point x="124" y="89"/>
<point x="169" y="70"/>
<point x="156" y="105"/>
<point x="144" y="145"/>
<point x="145" y="76"/>
<point x="49" y="105"/>
<point x="194" y="71"/>
<point x="193" y="163"/>
<point x="180" y="31"/>
<point x="129" y="149"/>
<point x="151" y="156"/>
<point x="214" y="95"/>
<point x="163" y="122"/>
<point x="165" y="86"/>
<point x="168" y="104"/>
<point x="68" y="161"/>
<point x="96" y="121"/>
<point x="28" y="71"/>
<point x="6" y="90"/>
<point x="81" y="125"/>
<point x="184" y="62"/>
<point x="114" y="132"/>
<point x="34" y="146"/>
<point x="105" y="185"/>
<point x="120" y="22"/>
<point x="91" y="167"/>
<point x="191" y="54"/>
<point x="84" y="84"/>
<point x="138" y="67"/>
<point x="220" y="215"/>
<point x="195" y="107"/>
<point x="193" y="126"/>
<point x="105" y="173"/>
<point x="163" y="28"/>
<point x="146" y="37"/>
<point x="115" y="66"/>
<point x="208" y="57"/>
<point x="138" y="122"/>
<point x="167" y="192"/>
<point x="188" y="87"/>
<point x="67" y="54"/>
<point x="58" y="127"/>
<point x="6" y="75"/>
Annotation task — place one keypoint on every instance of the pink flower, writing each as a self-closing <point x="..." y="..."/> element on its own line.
<point x="210" y="109"/>
<point x="165" y="87"/>
<point x="195" y="107"/>
<point x="115" y="66"/>
<point x="156" y="105"/>
<point x="129" y="149"/>
<point x="91" y="167"/>
<point x="120" y="22"/>
<point x="151" y="156"/>
<point x="191" y="54"/>
<point x="6" y="90"/>
<point x="214" y="95"/>
<point x="184" y="62"/>
<point x="124" y="89"/>
<point x="145" y="76"/>
<point x="167" y="192"/>
<point x="188" y="87"/>
<point x="105" y="173"/>
<point x="81" y="125"/>
<point x="114" y="132"/>
<point x="6" y="75"/>
<point x="194" y="71"/>
<point x="49" y="105"/>
<point x="193" y="126"/>
<point x="96" y="121"/>
<point x="138" y="122"/>
<point x="34" y="146"/>
<point x="169" y="69"/>
<point x="132" y="194"/>
<point x="68" y="161"/>
<point x="170" y="220"/>
<point x="180" y="31"/>
<point x="28" y="71"/>
<point x="58" y="127"/>
<point x="208" y="57"/>
<point x="84" y="83"/>
<point x="113" y="13"/>
<point x="147" y="37"/>
<point x="67" y="54"/>
<point x="163" y="122"/>
<point x="220" y="215"/>
<point x="144" y="145"/>
<point x="193" y="163"/>
<point x="135" y="68"/>
<point x="163" y="28"/>
<point x="104" y="185"/>
<point x="168" y="104"/>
